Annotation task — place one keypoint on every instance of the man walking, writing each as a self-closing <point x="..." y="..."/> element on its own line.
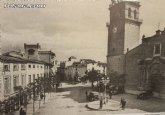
<point x="110" y="94"/>
<point x="123" y="103"/>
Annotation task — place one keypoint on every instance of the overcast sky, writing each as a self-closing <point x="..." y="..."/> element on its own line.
<point x="70" y="27"/>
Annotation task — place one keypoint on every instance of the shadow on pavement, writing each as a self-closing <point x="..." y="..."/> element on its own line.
<point x="76" y="93"/>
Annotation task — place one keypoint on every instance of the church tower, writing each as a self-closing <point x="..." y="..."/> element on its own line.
<point x="123" y="33"/>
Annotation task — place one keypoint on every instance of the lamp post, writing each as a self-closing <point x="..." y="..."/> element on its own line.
<point x="105" y="81"/>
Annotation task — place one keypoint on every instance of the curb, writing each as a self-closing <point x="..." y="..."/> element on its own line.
<point x="89" y="106"/>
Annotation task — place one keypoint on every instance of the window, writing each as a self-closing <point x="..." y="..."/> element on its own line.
<point x="37" y="66"/>
<point x="29" y="66"/>
<point x="15" y="67"/>
<point x="41" y="66"/>
<point x="6" y="68"/>
<point x="129" y="12"/>
<point x="22" y="80"/>
<point x="7" y="85"/>
<point x="15" y="80"/>
<point x="157" y="49"/>
<point x="33" y="77"/>
<point x="29" y="78"/>
<point x="37" y="76"/>
<point x="23" y="67"/>
<point x="31" y="52"/>
<point x="135" y="14"/>
<point x="33" y="66"/>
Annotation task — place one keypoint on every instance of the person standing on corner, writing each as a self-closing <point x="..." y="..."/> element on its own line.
<point x="101" y="102"/>
<point x="86" y="92"/>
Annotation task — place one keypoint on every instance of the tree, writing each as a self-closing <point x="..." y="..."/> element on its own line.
<point x="92" y="76"/>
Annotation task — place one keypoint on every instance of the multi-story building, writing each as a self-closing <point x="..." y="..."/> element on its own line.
<point x="102" y="68"/>
<point x="49" y="57"/>
<point x="75" y="71"/>
<point x="1" y="82"/>
<point x="20" y="69"/>
<point x="79" y="69"/>
<point x="18" y="72"/>
<point x="34" y="52"/>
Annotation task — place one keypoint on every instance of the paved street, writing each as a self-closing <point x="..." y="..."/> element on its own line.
<point x="71" y="100"/>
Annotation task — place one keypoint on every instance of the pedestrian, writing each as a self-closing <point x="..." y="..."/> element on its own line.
<point x="101" y="103"/>
<point x="123" y="103"/>
<point x="41" y="96"/>
<point x="86" y="92"/>
<point x="44" y="96"/>
<point x="22" y="111"/>
<point x="61" y="85"/>
<point x="110" y="94"/>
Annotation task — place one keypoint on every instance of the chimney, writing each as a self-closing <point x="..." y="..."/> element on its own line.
<point x="158" y="32"/>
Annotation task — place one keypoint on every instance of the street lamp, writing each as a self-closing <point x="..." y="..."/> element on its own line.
<point x="105" y="81"/>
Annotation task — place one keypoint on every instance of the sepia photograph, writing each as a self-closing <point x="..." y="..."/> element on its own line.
<point x="82" y="57"/>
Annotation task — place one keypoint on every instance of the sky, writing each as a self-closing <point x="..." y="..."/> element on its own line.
<point x="69" y="27"/>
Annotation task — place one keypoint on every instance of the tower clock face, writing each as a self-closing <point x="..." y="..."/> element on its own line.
<point x="114" y="29"/>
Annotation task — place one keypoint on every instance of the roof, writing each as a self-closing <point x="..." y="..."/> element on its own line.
<point x="78" y="64"/>
<point x="159" y="34"/>
<point x="87" y="61"/>
<point x="12" y="59"/>
<point x="46" y="52"/>
<point x="102" y="64"/>
<point x="72" y="57"/>
<point x="14" y="54"/>
<point x="133" y="49"/>
<point x="17" y="52"/>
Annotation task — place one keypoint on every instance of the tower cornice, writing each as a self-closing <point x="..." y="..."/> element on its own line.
<point x="137" y="21"/>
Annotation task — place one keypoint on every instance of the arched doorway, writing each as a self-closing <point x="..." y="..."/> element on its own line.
<point x="156" y="77"/>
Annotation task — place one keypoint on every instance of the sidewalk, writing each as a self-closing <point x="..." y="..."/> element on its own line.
<point x="111" y="105"/>
<point x="29" y="110"/>
<point x="114" y="107"/>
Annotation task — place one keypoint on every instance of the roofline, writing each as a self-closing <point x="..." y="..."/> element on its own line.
<point x="133" y="49"/>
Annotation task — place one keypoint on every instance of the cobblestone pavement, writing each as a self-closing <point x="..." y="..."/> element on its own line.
<point x="71" y="100"/>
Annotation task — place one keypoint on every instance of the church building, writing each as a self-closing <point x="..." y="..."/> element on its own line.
<point x="142" y="64"/>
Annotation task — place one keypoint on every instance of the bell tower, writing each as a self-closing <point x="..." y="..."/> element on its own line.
<point x="123" y="33"/>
